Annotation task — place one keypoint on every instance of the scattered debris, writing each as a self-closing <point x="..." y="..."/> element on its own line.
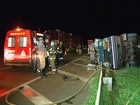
<point x="91" y="67"/>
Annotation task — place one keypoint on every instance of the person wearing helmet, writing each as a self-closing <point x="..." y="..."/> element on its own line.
<point x="60" y="56"/>
<point x="52" y="56"/>
<point x="42" y="54"/>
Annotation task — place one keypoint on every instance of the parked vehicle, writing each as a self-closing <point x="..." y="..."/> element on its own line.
<point x="19" y="47"/>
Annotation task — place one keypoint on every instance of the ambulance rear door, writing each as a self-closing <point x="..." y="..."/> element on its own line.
<point x="17" y="48"/>
<point x="23" y="48"/>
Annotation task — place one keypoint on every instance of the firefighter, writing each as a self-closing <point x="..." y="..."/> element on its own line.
<point x="60" y="56"/>
<point x="52" y="56"/>
<point x="42" y="55"/>
<point x="91" y="52"/>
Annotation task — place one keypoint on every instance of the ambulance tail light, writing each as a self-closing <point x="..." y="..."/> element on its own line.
<point x="5" y="53"/>
<point x="8" y="54"/>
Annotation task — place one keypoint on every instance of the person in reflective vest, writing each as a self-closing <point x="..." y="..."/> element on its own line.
<point x="60" y="56"/>
<point x="42" y="54"/>
<point x="91" y="52"/>
<point x="52" y="56"/>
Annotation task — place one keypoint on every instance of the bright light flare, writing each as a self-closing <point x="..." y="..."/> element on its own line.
<point x="39" y="34"/>
<point x="18" y="28"/>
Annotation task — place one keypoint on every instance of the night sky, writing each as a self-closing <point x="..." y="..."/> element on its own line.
<point x="89" y="19"/>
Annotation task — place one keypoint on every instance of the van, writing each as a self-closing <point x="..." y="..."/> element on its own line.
<point x="19" y="47"/>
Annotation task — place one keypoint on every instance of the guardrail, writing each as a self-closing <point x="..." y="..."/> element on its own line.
<point x="99" y="88"/>
<point x="103" y="80"/>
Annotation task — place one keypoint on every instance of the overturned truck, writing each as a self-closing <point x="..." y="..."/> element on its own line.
<point x="117" y="51"/>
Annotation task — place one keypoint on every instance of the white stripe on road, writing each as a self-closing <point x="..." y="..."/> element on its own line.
<point x="4" y="68"/>
<point x="35" y="97"/>
<point x="80" y="64"/>
<point x="84" y="59"/>
<point x="70" y="74"/>
<point x="13" y="89"/>
<point x="60" y="71"/>
<point x="9" y="91"/>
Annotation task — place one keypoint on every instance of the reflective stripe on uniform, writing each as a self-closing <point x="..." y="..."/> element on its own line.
<point x="52" y="58"/>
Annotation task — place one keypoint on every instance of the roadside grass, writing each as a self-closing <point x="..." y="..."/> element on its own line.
<point x="126" y="88"/>
<point x="93" y="90"/>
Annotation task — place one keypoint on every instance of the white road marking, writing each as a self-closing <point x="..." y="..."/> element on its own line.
<point x="60" y="71"/>
<point x="35" y="97"/>
<point x="80" y="64"/>
<point x="9" y="91"/>
<point x="1" y="69"/>
<point x="84" y="59"/>
<point x="70" y="74"/>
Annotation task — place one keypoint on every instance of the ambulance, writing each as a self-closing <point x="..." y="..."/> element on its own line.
<point x="20" y="47"/>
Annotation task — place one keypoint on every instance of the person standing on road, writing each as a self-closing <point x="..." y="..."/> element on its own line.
<point x="60" y="56"/>
<point x="91" y="52"/>
<point x="52" y="56"/>
<point x="42" y="54"/>
<point x="79" y="48"/>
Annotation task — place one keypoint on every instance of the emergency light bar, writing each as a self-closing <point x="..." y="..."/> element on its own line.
<point x="18" y="29"/>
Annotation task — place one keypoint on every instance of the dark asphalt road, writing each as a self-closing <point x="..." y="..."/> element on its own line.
<point x="53" y="87"/>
